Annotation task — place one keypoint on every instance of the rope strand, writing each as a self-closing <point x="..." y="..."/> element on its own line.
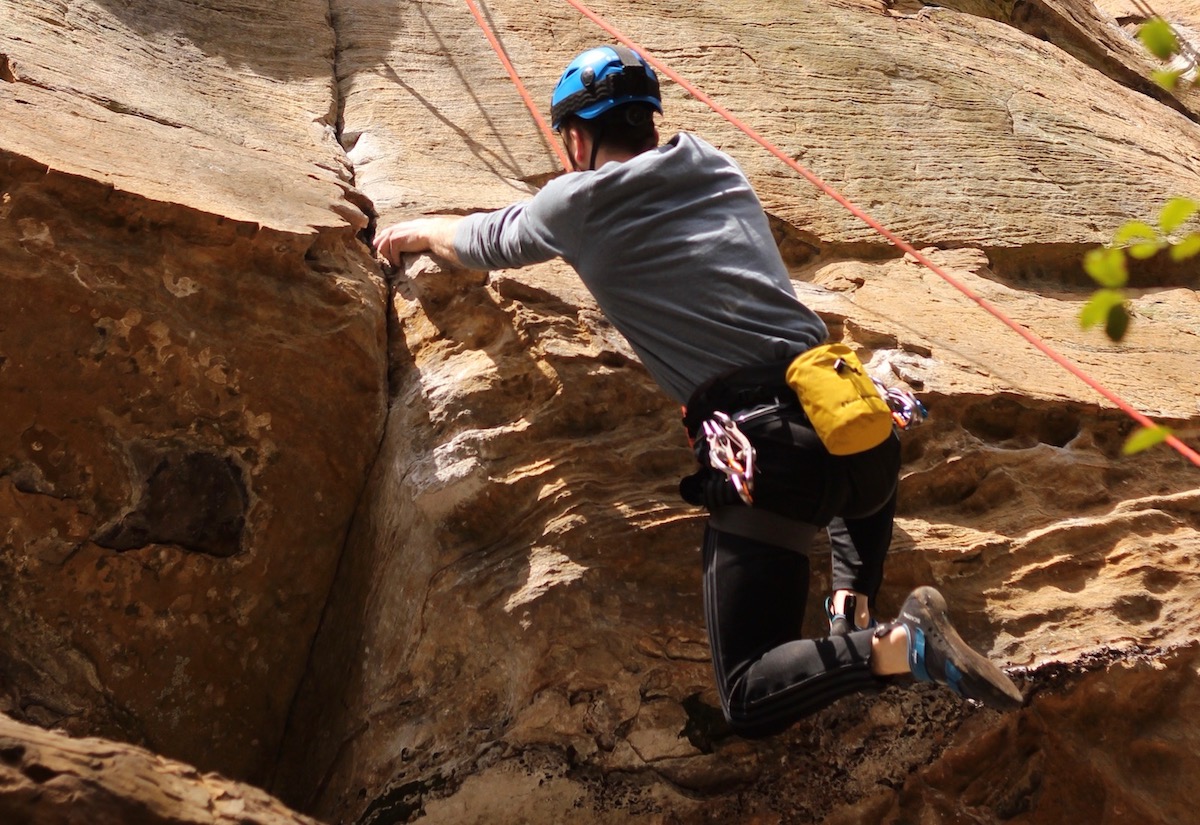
<point x="516" y="79"/>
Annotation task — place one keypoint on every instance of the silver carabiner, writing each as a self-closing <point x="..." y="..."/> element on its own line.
<point x="730" y="451"/>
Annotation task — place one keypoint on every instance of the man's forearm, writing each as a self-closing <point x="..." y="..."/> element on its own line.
<point x="434" y="234"/>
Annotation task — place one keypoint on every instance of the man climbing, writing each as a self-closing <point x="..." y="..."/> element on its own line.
<point x="675" y="247"/>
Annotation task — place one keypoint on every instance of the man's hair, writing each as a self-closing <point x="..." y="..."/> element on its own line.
<point x="628" y="127"/>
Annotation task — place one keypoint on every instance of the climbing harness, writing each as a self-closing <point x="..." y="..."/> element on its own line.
<point x="727" y="449"/>
<point x="1033" y="340"/>
<point x="730" y="451"/>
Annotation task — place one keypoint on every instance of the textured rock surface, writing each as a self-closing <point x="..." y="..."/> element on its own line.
<point x="198" y="353"/>
<point x="192" y="368"/>
<point x="562" y="673"/>
<point x="47" y="778"/>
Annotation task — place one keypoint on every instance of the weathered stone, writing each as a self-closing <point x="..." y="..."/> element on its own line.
<point x="47" y="778"/>
<point x="1041" y="765"/>
<point x="964" y="133"/>
<point x="1085" y="32"/>
<point x="195" y="370"/>
<point x="192" y="367"/>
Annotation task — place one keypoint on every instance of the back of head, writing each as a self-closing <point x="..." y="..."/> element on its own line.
<point x="628" y="128"/>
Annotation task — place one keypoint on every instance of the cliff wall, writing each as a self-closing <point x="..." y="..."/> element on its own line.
<point x="407" y="545"/>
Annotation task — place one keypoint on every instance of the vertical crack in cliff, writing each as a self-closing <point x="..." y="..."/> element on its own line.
<point x="337" y="104"/>
<point x="335" y="119"/>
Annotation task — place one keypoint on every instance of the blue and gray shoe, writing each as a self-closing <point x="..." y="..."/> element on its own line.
<point x="936" y="653"/>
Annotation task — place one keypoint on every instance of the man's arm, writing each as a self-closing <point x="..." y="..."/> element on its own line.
<point x="434" y="235"/>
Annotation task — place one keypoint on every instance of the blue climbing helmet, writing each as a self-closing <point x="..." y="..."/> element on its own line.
<point x="600" y="79"/>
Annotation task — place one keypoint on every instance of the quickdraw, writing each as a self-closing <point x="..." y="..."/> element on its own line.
<point x="907" y="409"/>
<point x="730" y="451"/>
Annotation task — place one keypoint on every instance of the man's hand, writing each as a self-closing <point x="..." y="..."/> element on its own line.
<point x="434" y="235"/>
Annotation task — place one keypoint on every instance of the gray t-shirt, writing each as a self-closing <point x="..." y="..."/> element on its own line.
<point x="675" y="248"/>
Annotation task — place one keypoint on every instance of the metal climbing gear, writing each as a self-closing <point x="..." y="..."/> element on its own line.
<point x="730" y="451"/>
<point x="907" y="409"/>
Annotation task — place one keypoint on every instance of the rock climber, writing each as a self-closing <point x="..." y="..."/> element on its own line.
<point x="674" y="245"/>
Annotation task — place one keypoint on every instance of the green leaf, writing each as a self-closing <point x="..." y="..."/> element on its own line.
<point x="1098" y="308"/>
<point x="1142" y="251"/>
<point x="1134" y="231"/>
<point x="1167" y="78"/>
<point x="1157" y="36"/>
<point x="1144" y="438"/>
<point x="1175" y="213"/>
<point x="1107" y="267"/>
<point x="1187" y="248"/>
<point x="1117" y="324"/>
<point x="1148" y="241"/>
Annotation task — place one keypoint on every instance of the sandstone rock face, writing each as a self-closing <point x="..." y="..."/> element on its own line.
<point x="51" y="779"/>
<point x="192" y="367"/>
<point x="210" y="391"/>
<point x="560" y="680"/>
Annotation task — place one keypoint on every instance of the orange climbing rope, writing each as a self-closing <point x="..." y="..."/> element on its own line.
<point x="516" y="79"/>
<point x="1172" y="440"/>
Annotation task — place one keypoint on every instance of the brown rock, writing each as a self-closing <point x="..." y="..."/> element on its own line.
<point x="195" y="373"/>
<point x="960" y="131"/>
<point x="190" y="328"/>
<point x="50" y="779"/>
<point x="1042" y="765"/>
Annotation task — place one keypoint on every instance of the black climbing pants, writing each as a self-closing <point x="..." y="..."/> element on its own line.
<point x="756" y="573"/>
<point x="754" y="601"/>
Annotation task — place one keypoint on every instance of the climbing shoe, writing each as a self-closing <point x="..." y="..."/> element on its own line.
<point x="839" y="625"/>
<point x="936" y="653"/>
<point x="842" y="623"/>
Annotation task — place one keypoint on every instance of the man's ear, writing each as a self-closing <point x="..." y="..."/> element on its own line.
<point x="578" y="146"/>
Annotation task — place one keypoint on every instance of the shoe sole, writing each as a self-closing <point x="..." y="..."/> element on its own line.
<point x="978" y="678"/>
